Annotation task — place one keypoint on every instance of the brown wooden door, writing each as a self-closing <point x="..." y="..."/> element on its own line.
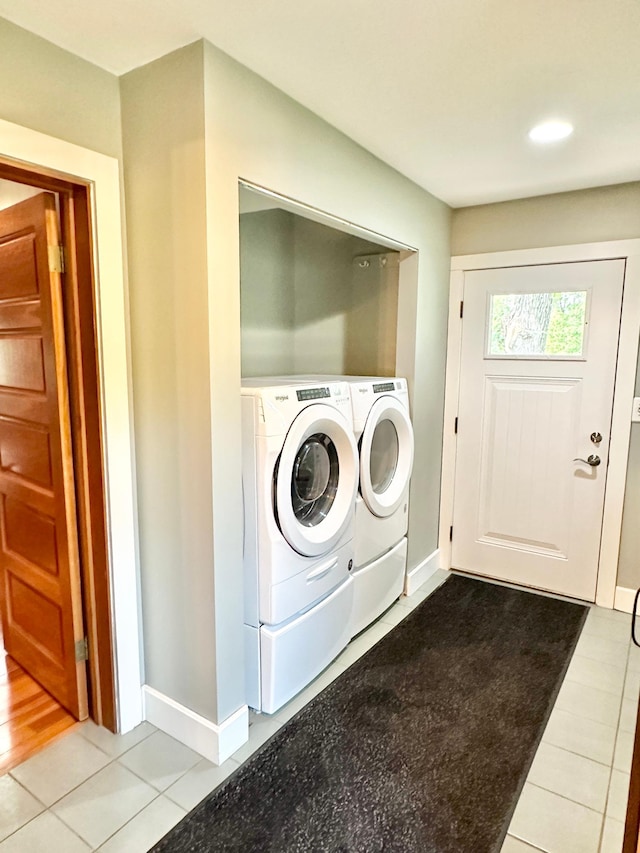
<point x="39" y="563"/>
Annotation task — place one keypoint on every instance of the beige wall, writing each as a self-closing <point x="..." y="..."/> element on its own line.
<point x="267" y="293"/>
<point x="371" y="333"/>
<point x="584" y="216"/>
<point x="345" y="315"/>
<point x="323" y="275"/>
<point x="50" y="90"/>
<point x="605" y="213"/>
<point x="306" y="306"/>
<point x="194" y="123"/>
<point x="164" y="153"/>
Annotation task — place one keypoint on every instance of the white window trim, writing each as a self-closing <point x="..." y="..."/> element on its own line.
<point x="629" y="250"/>
<point x="26" y="146"/>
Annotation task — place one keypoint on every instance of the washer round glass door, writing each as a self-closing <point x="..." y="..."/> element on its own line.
<point x="386" y="456"/>
<point x="316" y="480"/>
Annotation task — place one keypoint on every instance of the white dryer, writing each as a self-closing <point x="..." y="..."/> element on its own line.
<point x="383" y="430"/>
<point x="300" y="478"/>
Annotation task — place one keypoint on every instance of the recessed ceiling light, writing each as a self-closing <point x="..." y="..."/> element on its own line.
<point x="550" y="131"/>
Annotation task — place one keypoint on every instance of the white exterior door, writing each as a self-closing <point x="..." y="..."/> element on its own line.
<point x="538" y="359"/>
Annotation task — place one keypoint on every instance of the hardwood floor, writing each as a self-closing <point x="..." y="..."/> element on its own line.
<point x="29" y="716"/>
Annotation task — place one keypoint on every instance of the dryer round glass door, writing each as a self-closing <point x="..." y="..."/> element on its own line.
<point x="386" y="456"/>
<point x="383" y="455"/>
<point x="316" y="480"/>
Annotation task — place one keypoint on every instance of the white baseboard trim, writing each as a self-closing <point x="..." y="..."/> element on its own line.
<point x="418" y="575"/>
<point x="624" y="599"/>
<point x="215" y="742"/>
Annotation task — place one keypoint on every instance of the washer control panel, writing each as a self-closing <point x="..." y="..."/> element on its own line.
<point x="312" y="394"/>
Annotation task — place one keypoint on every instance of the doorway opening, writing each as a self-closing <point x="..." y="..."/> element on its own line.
<point x="53" y="533"/>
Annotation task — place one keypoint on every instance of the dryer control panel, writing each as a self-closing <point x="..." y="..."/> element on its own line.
<point x="382" y="387"/>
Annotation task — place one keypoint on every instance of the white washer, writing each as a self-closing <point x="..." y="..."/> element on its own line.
<point x="383" y="430"/>
<point x="300" y="478"/>
<point x="382" y="427"/>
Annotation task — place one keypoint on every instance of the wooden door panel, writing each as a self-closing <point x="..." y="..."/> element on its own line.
<point x="25" y="451"/>
<point x="46" y="645"/>
<point x="22" y="407"/>
<point x="29" y="535"/>
<point x="28" y="573"/>
<point x="39" y="562"/>
<point x="22" y="363"/>
<point x="38" y="617"/>
<point x="40" y="500"/>
<point x="17" y="265"/>
<point x="20" y="315"/>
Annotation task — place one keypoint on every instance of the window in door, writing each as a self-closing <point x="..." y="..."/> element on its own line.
<point x="538" y="325"/>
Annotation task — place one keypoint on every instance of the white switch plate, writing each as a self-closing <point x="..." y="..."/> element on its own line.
<point x="635" y="414"/>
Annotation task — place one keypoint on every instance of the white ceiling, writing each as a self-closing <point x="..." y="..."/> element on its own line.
<point x="443" y="90"/>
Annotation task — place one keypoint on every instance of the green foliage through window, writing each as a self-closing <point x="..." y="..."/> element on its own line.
<point x="537" y="323"/>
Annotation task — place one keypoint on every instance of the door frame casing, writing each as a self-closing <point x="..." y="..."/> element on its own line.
<point x="625" y="376"/>
<point x="29" y="149"/>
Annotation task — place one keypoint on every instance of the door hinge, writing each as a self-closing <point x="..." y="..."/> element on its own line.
<point x="451" y="533"/>
<point x="461" y="308"/>
<point x="82" y="650"/>
<point x="56" y="259"/>
<point x="455" y="427"/>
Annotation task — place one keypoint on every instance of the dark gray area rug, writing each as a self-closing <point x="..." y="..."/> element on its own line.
<point x="422" y="746"/>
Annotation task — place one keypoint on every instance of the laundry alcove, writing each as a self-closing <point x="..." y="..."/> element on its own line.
<point x="314" y="297"/>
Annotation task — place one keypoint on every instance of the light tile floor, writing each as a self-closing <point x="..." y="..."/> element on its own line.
<point x="93" y="790"/>
<point x="575" y="796"/>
